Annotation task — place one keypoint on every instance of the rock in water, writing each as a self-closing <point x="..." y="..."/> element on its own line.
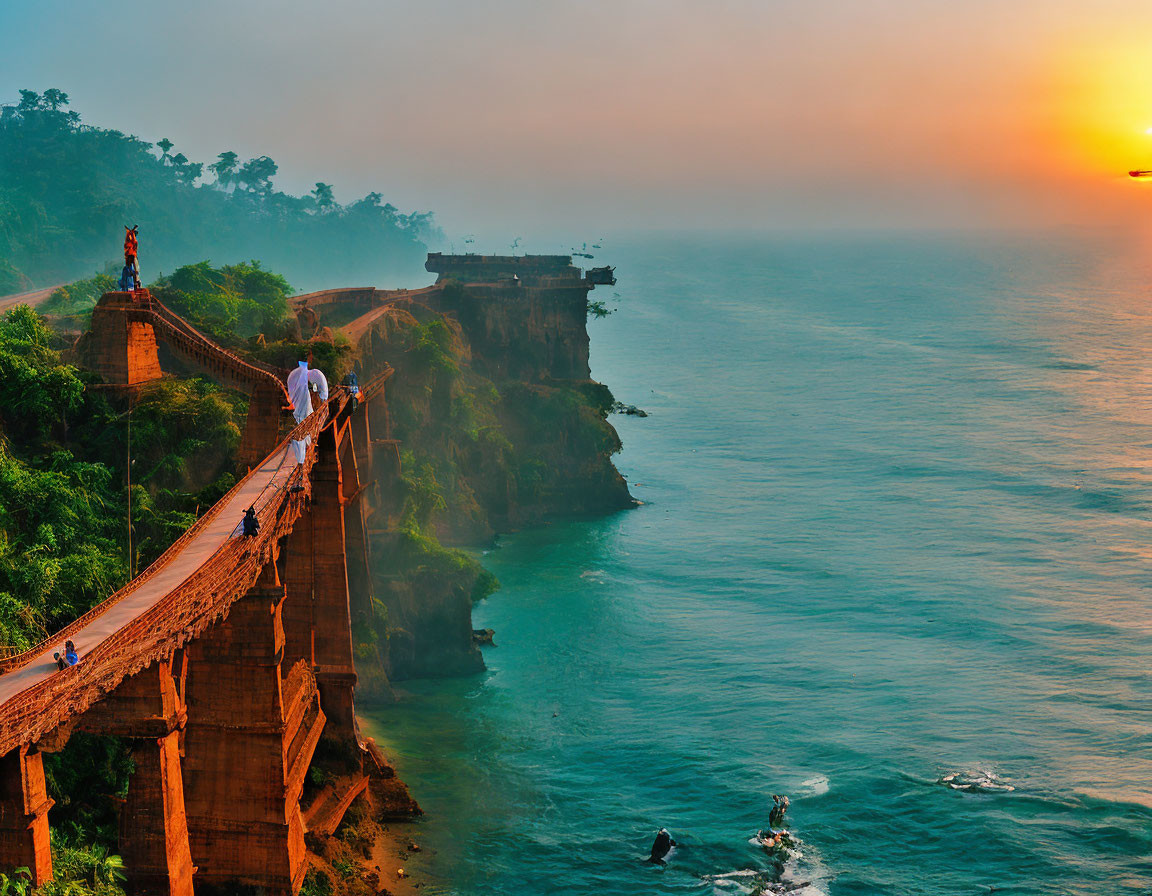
<point x="661" y="846"/>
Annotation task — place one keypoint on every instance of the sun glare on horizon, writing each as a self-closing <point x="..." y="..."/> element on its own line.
<point x="1100" y="104"/>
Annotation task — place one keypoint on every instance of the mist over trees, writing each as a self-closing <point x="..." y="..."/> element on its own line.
<point x="67" y="189"/>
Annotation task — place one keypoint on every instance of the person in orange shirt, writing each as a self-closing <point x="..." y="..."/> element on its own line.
<point x="131" y="245"/>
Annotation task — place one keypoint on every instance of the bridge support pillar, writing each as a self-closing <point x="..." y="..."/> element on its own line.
<point x="122" y="343"/>
<point x="317" y="627"/>
<point x="361" y="433"/>
<point x="24" y="806"/>
<point x="355" y="529"/>
<point x="153" y="826"/>
<point x="335" y="665"/>
<point x="148" y="709"/>
<point x="250" y="737"/>
<point x="262" y="429"/>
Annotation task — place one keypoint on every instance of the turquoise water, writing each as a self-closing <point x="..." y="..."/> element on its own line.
<point x="896" y="528"/>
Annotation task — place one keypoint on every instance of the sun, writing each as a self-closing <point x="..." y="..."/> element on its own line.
<point x="1099" y="105"/>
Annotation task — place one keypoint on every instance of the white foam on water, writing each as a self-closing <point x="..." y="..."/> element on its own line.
<point x="978" y="781"/>
<point x="817" y="785"/>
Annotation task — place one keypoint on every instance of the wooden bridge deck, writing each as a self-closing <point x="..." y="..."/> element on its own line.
<point x="186" y="589"/>
<point x="273" y="475"/>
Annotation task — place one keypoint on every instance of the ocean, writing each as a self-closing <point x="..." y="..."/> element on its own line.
<point x="893" y="560"/>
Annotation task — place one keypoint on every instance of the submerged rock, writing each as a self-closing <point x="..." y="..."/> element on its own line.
<point x="618" y="407"/>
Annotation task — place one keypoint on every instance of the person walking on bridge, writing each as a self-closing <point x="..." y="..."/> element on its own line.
<point x="251" y="523"/>
<point x="300" y="383"/>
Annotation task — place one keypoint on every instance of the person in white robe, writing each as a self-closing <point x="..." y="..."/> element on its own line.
<point x="301" y="383"/>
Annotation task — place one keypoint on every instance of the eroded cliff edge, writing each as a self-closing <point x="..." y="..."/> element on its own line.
<point x="490" y="423"/>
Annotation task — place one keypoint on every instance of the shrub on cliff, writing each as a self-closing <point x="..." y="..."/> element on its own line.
<point x="228" y="303"/>
<point x="75" y="301"/>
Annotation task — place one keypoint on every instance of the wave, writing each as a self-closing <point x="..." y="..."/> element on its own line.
<point x="978" y="781"/>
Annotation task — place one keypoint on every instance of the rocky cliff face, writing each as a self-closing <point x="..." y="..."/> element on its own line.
<point x="498" y="426"/>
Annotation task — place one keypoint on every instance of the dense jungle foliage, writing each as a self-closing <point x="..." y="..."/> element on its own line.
<point x="67" y="189"/>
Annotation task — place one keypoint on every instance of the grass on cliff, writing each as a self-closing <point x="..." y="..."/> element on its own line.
<point x="419" y="551"/>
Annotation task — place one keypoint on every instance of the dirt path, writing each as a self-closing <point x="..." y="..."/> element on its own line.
<point x="34" y="298"/>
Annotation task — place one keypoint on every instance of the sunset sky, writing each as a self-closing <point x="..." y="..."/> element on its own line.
<point x="526" y="116"/>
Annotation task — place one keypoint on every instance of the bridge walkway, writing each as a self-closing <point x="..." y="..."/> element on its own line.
<point x="271" y="476"/>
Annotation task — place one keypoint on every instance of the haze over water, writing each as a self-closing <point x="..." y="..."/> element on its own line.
<point x="896" y="528"/>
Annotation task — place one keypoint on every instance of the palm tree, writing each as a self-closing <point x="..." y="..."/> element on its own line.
<point x="225" y="168"/>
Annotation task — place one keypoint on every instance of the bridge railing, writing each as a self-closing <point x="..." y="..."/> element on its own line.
<point x="311" y="426"/>
<point x="179" y="330"/>
<point x="177" y="617"/>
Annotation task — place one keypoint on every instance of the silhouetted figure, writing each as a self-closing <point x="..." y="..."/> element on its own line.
<point x="353" y="386"/>
<point x="251" y="524"/>
<point x="61" y="663"/>
<point x="661" y="846"/>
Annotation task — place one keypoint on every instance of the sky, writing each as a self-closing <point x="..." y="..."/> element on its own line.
<point x="571" y="119"/>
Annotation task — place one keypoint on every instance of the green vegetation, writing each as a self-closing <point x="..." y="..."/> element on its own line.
<point x="74" y="302"/>
<point x="234" y="301"/>
<point x="63" y="540"/>
<point x="63" y="484"/>
<point x="84" y="870"/>
<point x="68" y="189"/>
<point x="597" y="308"/>
<point x="58" y="546"/>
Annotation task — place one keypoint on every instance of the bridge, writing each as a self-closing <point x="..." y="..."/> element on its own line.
<point x="228" y="662"/>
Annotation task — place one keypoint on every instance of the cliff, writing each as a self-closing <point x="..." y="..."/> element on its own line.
<point x="494" y="424"/>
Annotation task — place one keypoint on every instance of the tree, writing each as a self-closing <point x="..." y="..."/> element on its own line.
<point x="54" y="99"/>
<point x="66" y="189"/>
<point x="225" y="168"/>
<point x="29" y="101"/>
<point x="323" y="196"/>
<point x="257" y="174"/>
<point x="189" y="172"/>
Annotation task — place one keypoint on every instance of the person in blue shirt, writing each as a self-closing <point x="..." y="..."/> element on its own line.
<point x="71" y="657"/>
